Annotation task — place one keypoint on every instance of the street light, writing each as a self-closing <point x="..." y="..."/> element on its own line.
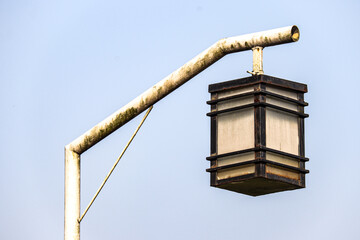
<point x="73" y="150"/>
<point x="257" y="135"/>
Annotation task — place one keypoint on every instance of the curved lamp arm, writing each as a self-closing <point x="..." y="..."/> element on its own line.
<point x="179" y="77"/>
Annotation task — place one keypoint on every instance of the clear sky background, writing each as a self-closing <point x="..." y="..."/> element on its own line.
<point x="66" y="65"/>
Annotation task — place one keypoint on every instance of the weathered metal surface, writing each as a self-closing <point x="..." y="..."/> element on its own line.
<point x="179" y="77"/>
<point x="269" y="80"/>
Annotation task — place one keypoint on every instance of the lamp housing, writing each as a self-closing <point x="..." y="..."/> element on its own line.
<point x="257" y="135"/>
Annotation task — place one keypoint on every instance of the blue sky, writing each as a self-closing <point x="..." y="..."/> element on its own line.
<point x="66" y="65"/>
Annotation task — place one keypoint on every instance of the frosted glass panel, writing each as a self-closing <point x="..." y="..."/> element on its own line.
<point x="282" y="159"/>
<point x="282" y="172"/>
<point x="286" y="93"/>
<point x="235" y="103"/>
<point x="281" y="103"/>
<point x="235" y="92"/>
<point x="235" y="172"/>
<point x="282" y="131"/>
<point x="236" y="159"/>
<point x="235" y="131"/>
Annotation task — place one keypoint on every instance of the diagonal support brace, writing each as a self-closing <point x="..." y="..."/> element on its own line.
<point x="115" y="164"/>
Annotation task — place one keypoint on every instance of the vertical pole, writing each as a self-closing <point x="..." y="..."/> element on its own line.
<point x="72" y="195"/>
<point x="258" y="60"/>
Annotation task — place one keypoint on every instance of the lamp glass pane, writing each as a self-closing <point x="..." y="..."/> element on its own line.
<point x="286" y="93"/>
<point x="235" y="103"/>
<point x="235" y="92"/>
<point x="235" y="159"/>
<point x="235" y="172"/>
<point x="235" y="131"/>
<point x="281" y="103"/>
<point x="282" y="172"/>
<point x="282" y="159"/>
<point x="282" y="131"/>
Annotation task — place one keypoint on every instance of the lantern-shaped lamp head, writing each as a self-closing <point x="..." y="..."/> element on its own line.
<point x="257" y="135"/>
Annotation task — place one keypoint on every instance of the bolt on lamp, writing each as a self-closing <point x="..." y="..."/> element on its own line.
<point x="257" y="133"/>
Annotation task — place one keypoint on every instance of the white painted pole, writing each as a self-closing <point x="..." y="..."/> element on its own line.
<point x="148" y="98"/>
<point x="72" y="195"/>
<point x="257" y="61"/>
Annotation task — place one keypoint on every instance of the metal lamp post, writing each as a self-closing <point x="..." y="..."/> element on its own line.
<point x="199" y="63"/>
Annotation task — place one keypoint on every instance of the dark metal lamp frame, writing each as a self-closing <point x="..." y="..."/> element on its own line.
<point x="260" y="182"/>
